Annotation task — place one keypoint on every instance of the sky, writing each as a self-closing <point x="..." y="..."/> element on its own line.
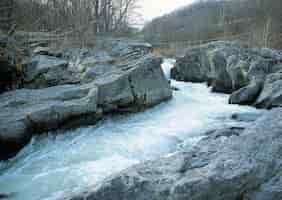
<point x="154" y="8"/>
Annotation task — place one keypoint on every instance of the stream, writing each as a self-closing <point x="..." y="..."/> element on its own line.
<point x="55" y="164"/>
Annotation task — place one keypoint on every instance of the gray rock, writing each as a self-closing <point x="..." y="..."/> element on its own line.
<point x="47" y="51"/>
<point x="231" y="68"/>
<point x="129" y="49"/>
<point x="226" y="132"/>
<point x="7" y="195"/>
<point x="271" y="95"/>
<point x="224" y="65"/>
<point x="237" y="70"/>
<point x="259" y="69"/>
<point x="246" y="95"/>
<point x="139" y="84"/>
<point x="26" y="112"/>
<point x="276" y="68"/>
<point x="221" y="79"/>
<point x="245" y="117"/>
<point x="46" y="71"/>
<point x="269" y="190"/>
<point x="130" y="87"/>
<point x="234" y="166"/>
<point x="188" y="68"/>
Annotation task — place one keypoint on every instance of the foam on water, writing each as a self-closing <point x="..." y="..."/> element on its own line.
<point x="53" y="165"/>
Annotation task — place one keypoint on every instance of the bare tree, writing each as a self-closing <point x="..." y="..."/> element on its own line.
<point x="6" y="14"/>
<point x="257" y="22"/>
<point x="101" y="16"/>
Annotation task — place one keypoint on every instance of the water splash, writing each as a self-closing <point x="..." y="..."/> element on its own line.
<point x="55" y="164"/>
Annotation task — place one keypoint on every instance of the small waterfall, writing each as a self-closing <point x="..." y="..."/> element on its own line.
<point x="167" y="66"/>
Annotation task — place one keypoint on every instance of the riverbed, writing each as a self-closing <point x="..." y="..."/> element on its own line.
<point x="57" y="163"/>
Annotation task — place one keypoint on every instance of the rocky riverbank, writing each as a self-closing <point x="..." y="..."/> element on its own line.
<point x="253" y="76"/>
<point x="76" y="87"/>
<point x="231" y="164"/>
<point x="236" y="163"/>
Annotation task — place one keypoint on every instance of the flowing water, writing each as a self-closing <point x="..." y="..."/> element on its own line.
<point x="53" y="165"/>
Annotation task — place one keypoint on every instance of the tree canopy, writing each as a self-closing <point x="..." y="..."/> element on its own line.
<point x="255" y="21"/>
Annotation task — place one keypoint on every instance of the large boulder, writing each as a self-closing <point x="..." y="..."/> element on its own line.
<point x="231" y="164"/>
<point x="232" y="68"/>
<point x="137" y="85"/>
<point x="246" y="95"/>
<point x="221" y="81"/>
<point x="189" y="67"/>
<point x="132" y="87"/>
<point x="223" y="65"/>
<point x="271" y="95"/>
<point x="26" y="112"/>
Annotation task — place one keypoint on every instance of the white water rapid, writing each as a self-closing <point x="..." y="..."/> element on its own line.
<point x="53" y="165"/>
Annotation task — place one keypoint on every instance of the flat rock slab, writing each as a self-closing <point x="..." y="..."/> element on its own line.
<point x="25" y="112"/>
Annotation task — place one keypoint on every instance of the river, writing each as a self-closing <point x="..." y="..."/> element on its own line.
<point x="55" y="164"/>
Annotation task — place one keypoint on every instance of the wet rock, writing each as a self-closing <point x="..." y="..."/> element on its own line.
<point x="271" y="95"/>
<point x="26" y="112"/>
<point x="269" y="190"/>
<point x="139" y="84"/>
<point x="229" y="166"/>
<point x="237" y="70"/>
<point x="245" y="117"/>
<point x="223" y="65"/>
<point x="189" y="68"/>
<point x="230" y="68"/>
<point x="175" y="88"/>
<point x="7" y="195"/>
<point x="246" y="95"/>
<point x="226" y="132"/>
<point x="259" y="69"/>
<point x="78" y="87"/>
<point x="221" y="81"/>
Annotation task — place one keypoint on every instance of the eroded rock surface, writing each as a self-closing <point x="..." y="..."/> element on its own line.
<point x="231" y="68"/>
<point x="47" y="71"/>
<point x="61" y="96"/>
<point x="25" y="112"/>
<point x="228" y="164"/>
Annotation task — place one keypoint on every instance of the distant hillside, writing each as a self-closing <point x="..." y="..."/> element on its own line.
<point x="254" y="21"/>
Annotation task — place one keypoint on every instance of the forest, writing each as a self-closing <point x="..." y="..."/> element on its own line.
<point x="256" y="22"/>
<point x="67" y="16"/>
